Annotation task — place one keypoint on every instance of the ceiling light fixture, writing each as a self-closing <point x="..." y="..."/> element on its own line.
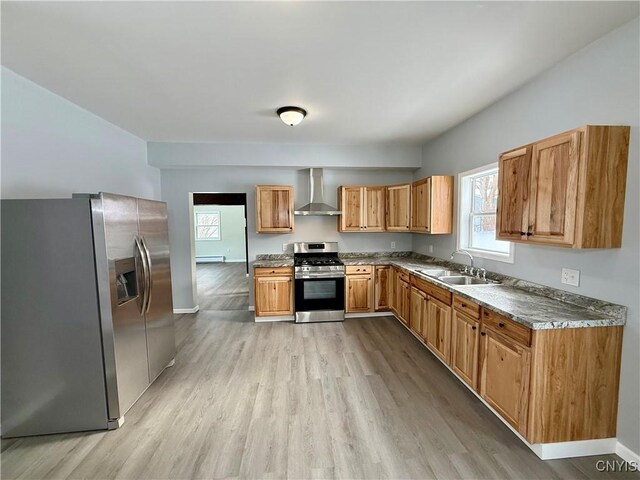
<point x="292" y="116"/>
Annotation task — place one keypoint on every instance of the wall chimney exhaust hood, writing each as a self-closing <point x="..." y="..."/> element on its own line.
<point x="316" y="205"/>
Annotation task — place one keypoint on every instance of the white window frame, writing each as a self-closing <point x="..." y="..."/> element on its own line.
<point x="465" y="217"/>
<point x="208" y="239"/>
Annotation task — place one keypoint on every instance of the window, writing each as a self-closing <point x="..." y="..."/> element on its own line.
<point x="478" y="190"/>
<point x="208" y="226"/>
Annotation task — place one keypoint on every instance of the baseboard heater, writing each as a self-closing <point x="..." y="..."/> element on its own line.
<point x="210" y="259"/>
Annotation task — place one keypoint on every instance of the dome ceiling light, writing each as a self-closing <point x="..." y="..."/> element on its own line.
<point x="292" y="116"/>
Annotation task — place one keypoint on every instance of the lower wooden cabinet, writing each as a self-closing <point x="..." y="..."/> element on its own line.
<point x="358" y="295"/>
<point x="465" y="344"/>
<point x="382" y="288"/>
<point x="273" y="295"/>
<point x="418" y="308"/>
<point x="438" y="328"/>
<point x="403" y="299"/>
<point x="505" y="368"/>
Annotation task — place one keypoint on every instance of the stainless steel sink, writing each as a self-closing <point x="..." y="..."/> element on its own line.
<point x="437" y="273"/>
<point x="465" y="280"/>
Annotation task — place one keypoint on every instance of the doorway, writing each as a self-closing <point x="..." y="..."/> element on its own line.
<point x="220" y="250"/>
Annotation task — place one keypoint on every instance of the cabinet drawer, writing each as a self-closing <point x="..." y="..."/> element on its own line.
<point x="507" y="327"/>
<point x="465" y="306"/>
<point x="430" y="289"/>
<point x="267" y="271"/>
<point x="358" y="269"/>
<point x="403" y="276"/>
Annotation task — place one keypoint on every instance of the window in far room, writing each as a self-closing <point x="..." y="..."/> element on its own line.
<point x="208" y="226"/>
<point x="477" y="203"/>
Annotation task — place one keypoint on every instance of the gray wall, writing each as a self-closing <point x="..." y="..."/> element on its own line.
<point x="231" y="244"/>
<point x="598" y="85"/>
<point x="53" y="148"/>
<point x="177" y="184"/>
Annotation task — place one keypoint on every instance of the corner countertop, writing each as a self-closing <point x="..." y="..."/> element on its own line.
<point x="531" y="305"/>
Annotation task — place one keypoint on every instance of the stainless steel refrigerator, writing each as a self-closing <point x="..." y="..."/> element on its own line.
<point x="87" y="315"/>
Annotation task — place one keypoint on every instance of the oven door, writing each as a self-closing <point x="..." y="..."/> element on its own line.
<point x="325" y="293"/>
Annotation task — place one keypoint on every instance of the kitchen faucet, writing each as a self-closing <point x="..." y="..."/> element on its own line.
<point x="470" y="259"/>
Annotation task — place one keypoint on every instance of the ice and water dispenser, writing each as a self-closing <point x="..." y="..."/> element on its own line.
<point x="126" y="280"/>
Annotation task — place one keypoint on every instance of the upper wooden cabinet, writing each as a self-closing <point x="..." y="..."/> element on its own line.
<point x="432" y="205"/>
<point x="567" y="190"/>
<point x="398" y="207"/>
<point x="363" y="209"/>
<point x="274" y="209"/>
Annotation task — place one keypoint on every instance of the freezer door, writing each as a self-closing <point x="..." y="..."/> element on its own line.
<point x="154" y="233"/>
<point x="120" y="214"/>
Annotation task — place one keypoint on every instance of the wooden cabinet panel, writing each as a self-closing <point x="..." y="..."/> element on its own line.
<point x="274" y="209"/>
<point x="504" y="377"/>
<point x="554" y="188"/>
<point x="358" y="269"/>
<point x="421" y="205"/>
<point x="374" y="199"/>
<point x="567" y="190"/>
<point x="274" y="295"/>
<point x="403" y="300"/>
<point x="433" y="291"/>
<point x="350" y="203"/>
<point x="382" y="288"/>
<point x="465" y="343"/>
<point x="507" y="327"/>
<point x="514" y="188"/>
<point x="438" y="329"/>
<point x="272" y="271"/>
<point x="358" y="294"/>
<point x="398" y="208"/>
<point x="465" y="306"/>
<point x="418" y="300"/>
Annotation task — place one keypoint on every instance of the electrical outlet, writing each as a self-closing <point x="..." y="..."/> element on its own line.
<point x="570" y="277"/>
<point x="284" y="247"/>
<point x="430" y="248"/>
<point x="393" y="245"/>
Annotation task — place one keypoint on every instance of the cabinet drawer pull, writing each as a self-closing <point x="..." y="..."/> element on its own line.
<point x="529" y="234"/>
<point x="464" y="305"/>
<point x="523" y="234"/>
<point x="473" y="328"/>
<point x="482" y="333"/>
<point x="501" y="325"/>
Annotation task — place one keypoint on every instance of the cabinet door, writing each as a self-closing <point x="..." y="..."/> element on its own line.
<point x="393" y="304"/>
<point x="358" y="293"/>
<point x="398" y="208"/>
<point x="273" y="296"/>
<point x="274" y="209"/>
<point x="418" y="299"/>
<point x="438" y="331"/>
<point x="351" y="219"/>
<point x="374" y="208"/>
<point x="382" y="286"/>
<point x="465" y="343"/>
<point x="554" y="189"/>
<point x="403" y="299"/>
<point x="514" y="186"/>
<point x="421" y="206"/>
<point x="504" y="377"/>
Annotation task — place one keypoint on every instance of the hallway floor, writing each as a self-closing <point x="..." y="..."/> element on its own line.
<point x="222" y="286"/>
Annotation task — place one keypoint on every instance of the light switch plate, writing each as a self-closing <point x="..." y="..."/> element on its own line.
<point x="393" y="245"/>
<point x="570" y="277"/>
<point x="430" y="248"/>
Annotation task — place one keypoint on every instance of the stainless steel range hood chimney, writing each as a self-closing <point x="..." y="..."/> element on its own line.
<point x="316" y="205"/>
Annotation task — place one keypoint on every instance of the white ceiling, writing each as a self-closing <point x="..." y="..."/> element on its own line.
<point x="366" y="72"/>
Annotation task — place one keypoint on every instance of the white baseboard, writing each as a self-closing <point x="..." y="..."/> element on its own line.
<point x="370" y="314"/>
<point x="252" y="308"/>
<point x="180" y="311"/>
<point x="279" y="318"/>
<point x="627" y="455"/>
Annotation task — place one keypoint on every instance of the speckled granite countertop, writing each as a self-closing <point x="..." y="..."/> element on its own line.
<point x="535" y="306"/>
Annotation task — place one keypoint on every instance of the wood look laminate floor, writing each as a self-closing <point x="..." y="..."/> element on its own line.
<point x="222" y="286"/>
<point x="359" y="399"/>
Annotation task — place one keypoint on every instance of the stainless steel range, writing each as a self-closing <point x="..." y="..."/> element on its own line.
<point x="319" y="282"/>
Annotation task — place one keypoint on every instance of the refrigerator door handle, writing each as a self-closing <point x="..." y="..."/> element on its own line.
<point x="143" y="259"/>
<point x="148" y="275"/>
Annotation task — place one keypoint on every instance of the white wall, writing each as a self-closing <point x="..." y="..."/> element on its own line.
<point x="231" y="243"/>
<point x="177" y="184"/>
<point x="597" y="85"/>
<point x="53" y="148"/>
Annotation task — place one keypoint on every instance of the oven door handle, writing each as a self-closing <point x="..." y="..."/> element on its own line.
<point x="314" y="276"/>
